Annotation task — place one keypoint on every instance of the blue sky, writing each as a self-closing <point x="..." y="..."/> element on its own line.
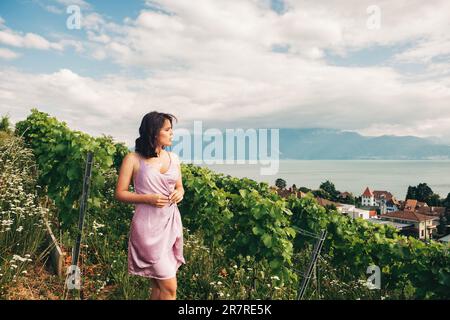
<point x="230" y="63"/>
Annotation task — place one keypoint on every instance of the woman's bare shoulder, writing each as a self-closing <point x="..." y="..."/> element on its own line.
<point x="174" y="156"/>
<point x="132" y="157"/>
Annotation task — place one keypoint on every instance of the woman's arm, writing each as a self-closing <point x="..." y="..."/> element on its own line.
<point x="122" y="194"/>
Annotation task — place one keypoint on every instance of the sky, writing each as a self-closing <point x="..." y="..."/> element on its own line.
<point x="373" y="67"/>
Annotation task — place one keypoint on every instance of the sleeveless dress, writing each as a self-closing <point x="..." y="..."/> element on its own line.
<point x="155" y="246"/>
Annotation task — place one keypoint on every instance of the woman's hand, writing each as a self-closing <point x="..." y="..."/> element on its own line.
<point x="176" y="196"/>
<point x="157" y="200"/>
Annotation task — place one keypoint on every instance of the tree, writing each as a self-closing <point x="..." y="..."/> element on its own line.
<point x="304" y="189"/>
<point x="446" y="202"/>
<point x="329" y="188"/>
<point x="434" y="200"/>
<point x="349" y="199"/>
<point x="280" y="183"/>
<point x="5" y="125"/>
<point x="423" y="193"/>
<point x="294" y="187"/>
<point x="322" y="194"/>
<point x="411" y="194"/>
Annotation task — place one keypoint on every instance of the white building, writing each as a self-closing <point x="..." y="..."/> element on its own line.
<point x="368" y="198"/>
<point x="353" y="212"/>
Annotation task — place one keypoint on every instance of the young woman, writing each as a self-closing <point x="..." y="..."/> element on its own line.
<point x="155" y="247"/>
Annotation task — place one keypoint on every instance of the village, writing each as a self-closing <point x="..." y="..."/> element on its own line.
<point x="410" y="217"/>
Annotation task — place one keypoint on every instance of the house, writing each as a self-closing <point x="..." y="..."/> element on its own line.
<point x="368" y="198"/>
<point x="410" y="205"/>
<point x="364" y="214"/>
<point x="422" y="226"/>
<point x="345" y="195"/>
<point x="382" y="195"/>
<point x="353" y="212"/>
<point x="285" y="193"/>
<point x="397" y="225"/>
<point x="431" y="211"/>
<point x="324" y="202"/>
<point x="422" y="208"/>
<point x="384" y="200"/>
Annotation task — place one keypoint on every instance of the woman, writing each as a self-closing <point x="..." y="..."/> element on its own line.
<point x="155" y="246"/>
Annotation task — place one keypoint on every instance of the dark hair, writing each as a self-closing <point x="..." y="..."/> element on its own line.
<point x="151" y="124"/>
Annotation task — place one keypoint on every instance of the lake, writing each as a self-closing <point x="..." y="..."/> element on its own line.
<point x="352" y="175"/>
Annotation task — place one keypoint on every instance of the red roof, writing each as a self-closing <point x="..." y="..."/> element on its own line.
<point x="372" y="213"/>
<point x="421" y="204"/>
<point x="410" y="205"/>
<point x="407" y="215"/>
<point x="367" y="193"/>
<point x="387" y="195"/>
<point x="324" y="202"/>
<point x="431" y="211"/>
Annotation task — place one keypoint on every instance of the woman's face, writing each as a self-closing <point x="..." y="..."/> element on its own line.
<point x="165" y="134"/>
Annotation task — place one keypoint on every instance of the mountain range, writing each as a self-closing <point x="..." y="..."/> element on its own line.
<point x="332" y="144"/>
<point x="321" y="144"/>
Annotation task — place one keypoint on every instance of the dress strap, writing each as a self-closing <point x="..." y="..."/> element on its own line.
<point x="170" y="159"/>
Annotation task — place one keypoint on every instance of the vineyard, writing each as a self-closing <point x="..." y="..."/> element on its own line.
<point x="242" y="240"/>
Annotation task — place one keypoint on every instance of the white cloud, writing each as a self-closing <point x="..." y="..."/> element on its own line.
<point x="213" y="61"/>
<point x="34" y="41"/>
<point x="81" y="3"/>
<point x="29" y="40"/>
<point x="426" y="50"/>
<point x="54" y="9"/>
<point x="331" y="97"/>
<point x="215" y="30"/>
<point x="8" y="54"/>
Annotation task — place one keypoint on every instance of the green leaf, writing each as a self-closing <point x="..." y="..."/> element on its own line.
<point x="267" y="240"/>
<point x="275" y="264"/>
<point x="243" y="193"/>
<point x="257" y="230"/>
<point x="72" y="173"/>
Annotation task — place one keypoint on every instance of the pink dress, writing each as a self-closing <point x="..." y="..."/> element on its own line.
<point x="155" y="246"/>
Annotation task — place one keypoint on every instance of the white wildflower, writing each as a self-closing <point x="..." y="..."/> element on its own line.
<point x="17" y="257"/>
<point x="97" y="225"/>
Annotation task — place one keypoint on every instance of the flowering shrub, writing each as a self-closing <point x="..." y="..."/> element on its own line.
<point x="21" y="225"/>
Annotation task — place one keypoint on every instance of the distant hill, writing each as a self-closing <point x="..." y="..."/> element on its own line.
<point x="331" y="144"/>
<point x="316" y="144"/>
